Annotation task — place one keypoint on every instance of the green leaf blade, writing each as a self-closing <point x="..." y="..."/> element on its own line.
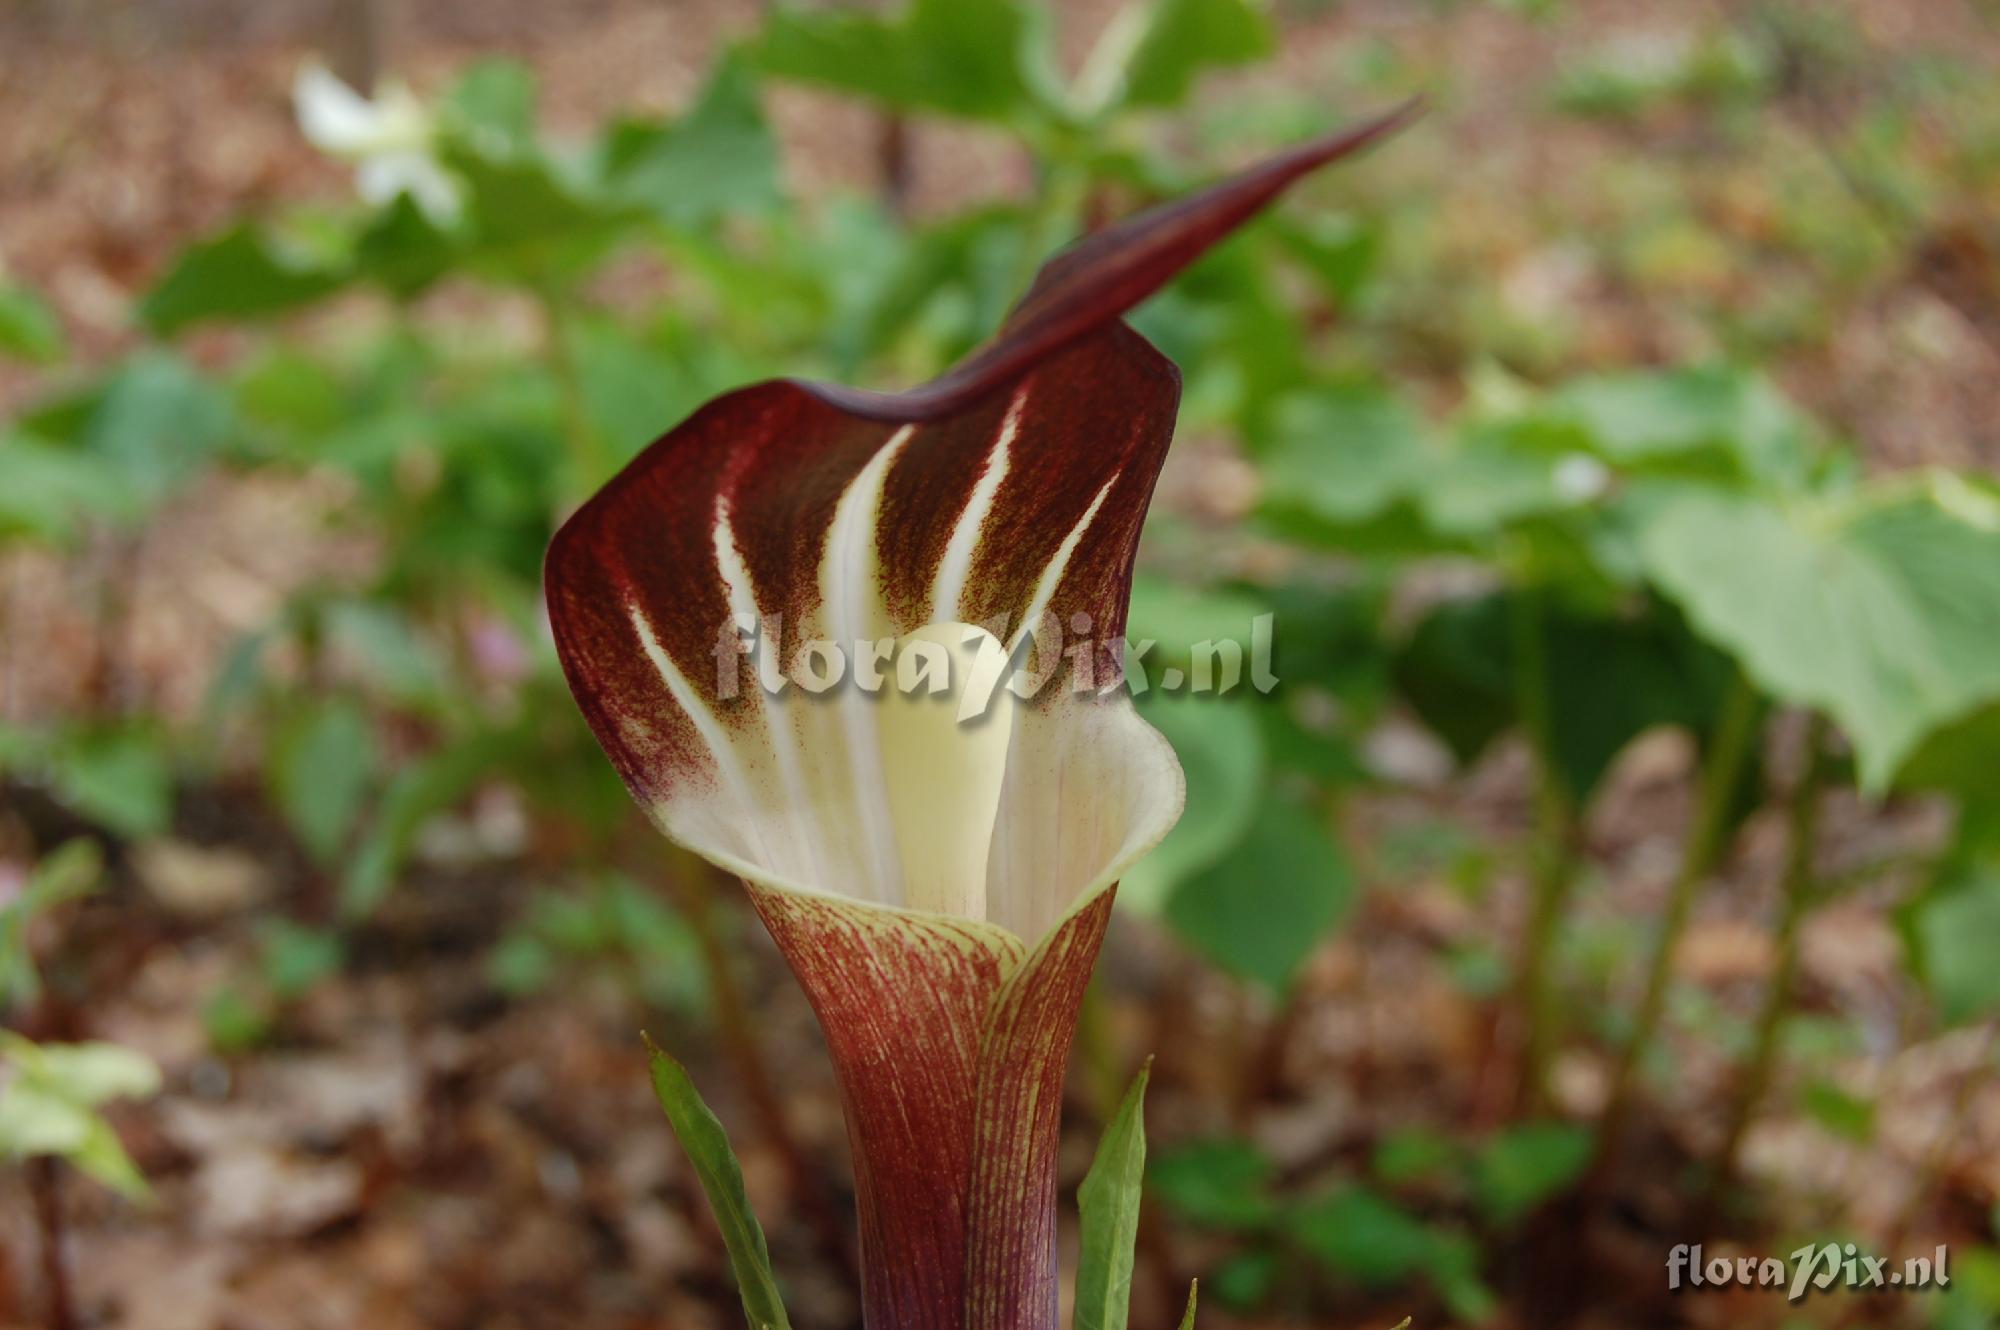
<point x="953" y="57"/>
<point x="235" y="275"/>
<point x="1878" y="608"/>
<point x="721" y="1177"/>
<point x="1300" y="880"/>
<point x="29" y="329"/>
<point x="1109" y="1202"/>
<point x="1185" y="38"/>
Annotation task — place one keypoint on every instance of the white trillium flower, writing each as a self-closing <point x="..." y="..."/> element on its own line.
<point x="388" y="137"/>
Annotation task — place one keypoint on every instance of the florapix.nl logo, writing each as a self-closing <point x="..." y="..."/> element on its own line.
<point x="1814" y="1268"/>
<point x="971" y="667"/>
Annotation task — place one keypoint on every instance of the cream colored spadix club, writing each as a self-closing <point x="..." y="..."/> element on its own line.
<point x="944" y="761"/>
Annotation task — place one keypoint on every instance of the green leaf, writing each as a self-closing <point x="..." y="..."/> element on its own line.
<point x="120" y="778"/>
<point x="1186" y="628"/>
<point x="47" y="493"/>
<point x="1222" y="1184"/>
<point x="1526" y="1164"/>
<point x="239" y="274"/>
<point x="1219" y="739"/>
<point x="159" y="423"/>
<point x="1187" y="1318"/>
<point x="72" y="870"/>
<point x="1457" y="672"/>
<point x="721" y="1179"/>
<point x="417" y="792"/>
<point x="1415" y="1154"/>
<point x="403" y="250"/>
<point x="1347" y="466"/>
<point x="1610" y="678"/>
<point x="956" y="57"/>
<point x="1495" y="477"/>
<point x="235" y="1022"/>
<point x="523" y="201"/>
<point x="289" y="390"/>
<point x="1109" y="1203"/>
<point x="720" y="158"/>
<point x="101" y="1156"/>
<point x="1956" y="932"/>
<point x="1357" y="1233"/>
<point x="322" y="769"/>
<point x="1973" y="1301"/>
<point x="1958" y="759"/>
<point x="1264" y="908"/>
<point x="69" y="872"/>
<point x="632" y="392"/>
<point x="1185" y="38"/>
<point x="48" y="1106"/>
<point x="91" y="1074"/>
<point x="493" y="105"/>
<point x="1846" y="1115"/>
<point x="1246" y="1279"/>
<point x="1880" y="609"/>
<point x="384" y="643"/>
<point x="1454" y="1272"/>
<point x="1340" y="250"/>
<point x="297" y="959"/>
<point x="1643" y="416"/>
<point x="36" y="1121"/>
<point x="521" y="965"/>
<point x="1221" y="748"/>
<point x="28" y="327"/>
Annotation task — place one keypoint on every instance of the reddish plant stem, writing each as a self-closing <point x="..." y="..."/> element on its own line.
<point x="10" y="1289"/>
<point x="45" y="1190"/>
<point x="1798" y="892"/>
<point x="892" y="150"/>
<point x="1264" y="1076"/>
<point x="1728" y="751"/>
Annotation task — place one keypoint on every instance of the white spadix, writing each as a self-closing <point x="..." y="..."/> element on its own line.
<point x="945" y="723"/>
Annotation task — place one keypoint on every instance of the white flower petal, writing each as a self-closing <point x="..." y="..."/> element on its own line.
<point x="379" y="179"/>
<point x="334" y="117"/>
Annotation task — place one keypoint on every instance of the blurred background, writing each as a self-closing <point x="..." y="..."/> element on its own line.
<point x="1616" y="866"/>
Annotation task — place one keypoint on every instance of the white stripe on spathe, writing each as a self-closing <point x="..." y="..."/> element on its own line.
<point x="706" y="725"/>
<point x="1052" y="576"/>
<point x="948" y="588"/>
<point x="799" y="810"/>
<point x="850" y="590"/>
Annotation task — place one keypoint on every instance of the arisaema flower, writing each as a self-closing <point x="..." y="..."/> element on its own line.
<point x="937" y="871"/>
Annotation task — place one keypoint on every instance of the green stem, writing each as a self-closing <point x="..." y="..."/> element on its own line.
<point x="1552" y="851"/>
<point x="1727" y="752"/>
<point x="1798" y="891"/>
